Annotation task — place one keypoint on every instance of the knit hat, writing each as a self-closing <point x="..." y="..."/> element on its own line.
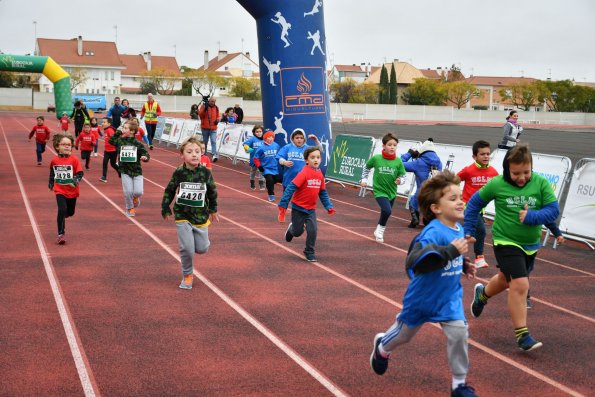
<point x="428" y="145"/>
<point x="268" y="133"/>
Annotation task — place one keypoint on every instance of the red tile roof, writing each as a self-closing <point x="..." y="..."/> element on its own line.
<point x="136" y="65"/>
<point x="349" y="68"/>
<point x="216" y="63"/>
<point x="430" y="74"/>
<point x="498" y="81"/>
<point x="95" y="53"/>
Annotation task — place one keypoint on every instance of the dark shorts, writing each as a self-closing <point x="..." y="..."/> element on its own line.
<point x="513" y="262"/>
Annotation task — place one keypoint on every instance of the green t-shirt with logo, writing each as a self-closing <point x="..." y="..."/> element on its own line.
<point x="509" y="201"/>
<point x="385" y="174"/>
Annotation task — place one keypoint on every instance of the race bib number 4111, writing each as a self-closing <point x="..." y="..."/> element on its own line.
<point x="128" y="154"/>
<point x="191" y="194"/>
<point x="63" y="174"/>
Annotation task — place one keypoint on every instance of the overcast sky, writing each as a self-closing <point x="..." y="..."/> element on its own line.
<point x="541" y="39"/>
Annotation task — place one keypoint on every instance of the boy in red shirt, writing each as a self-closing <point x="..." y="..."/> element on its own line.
<point x="64" y="122"/>
<point x="65" y="176"/>
<point x="308" y="186"/>
<point x="86" y="140"/>
<point x="42" y="135"/>
<point x="475" y="176"/>
<point x="204" y="159"/>
<point x="109" y="151"/>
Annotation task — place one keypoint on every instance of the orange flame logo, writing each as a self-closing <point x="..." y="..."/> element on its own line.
<point x="304" y="85"/>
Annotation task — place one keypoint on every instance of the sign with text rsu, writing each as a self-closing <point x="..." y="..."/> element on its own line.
<point x="302" y="90"/>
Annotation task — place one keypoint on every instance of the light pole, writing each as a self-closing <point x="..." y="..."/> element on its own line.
<point x="35" y="37"/>
<point x="175" y="51"/>
<point x="116" y="29"/>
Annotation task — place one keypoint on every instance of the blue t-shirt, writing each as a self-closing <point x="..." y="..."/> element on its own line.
<point x="438" y="295"/>
<point x="267" y="156"/>
<point x="254" y="143"/>
<point x="294" y="153"/>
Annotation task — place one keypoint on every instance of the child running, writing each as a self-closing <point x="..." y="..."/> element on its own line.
<point x="42" y="135"/>
<point x="291" y="156"/>
<point x="308" y="185"/>
<point x="130" y="154"/>
<point x="110" y="155"/>
<point x="388" y="170"/>
<point x="265" y="160"/>
<point x="86" y="141"/>
<point x="204" y="159"/>
<point x="435" y="264"/>
<point x="475" y="176"/>
<point x="250" y="146"/>
<point x="194" y="189"/>
<point x="96" y="131"/>
<point x="524" y="201"/>
<point x="64" y="122"/>
<point x="65" y="176"/>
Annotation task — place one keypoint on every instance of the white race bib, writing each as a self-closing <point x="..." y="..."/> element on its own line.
<point x="63" y="174"/>
<point x="128" y="154"/>
<point x="191" y="194"/>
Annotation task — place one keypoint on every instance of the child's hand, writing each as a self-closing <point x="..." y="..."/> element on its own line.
<point x="281" y="216"/>
<point x="523" y="213"/>
<point x="332" y="211"/>
<point x="144" y="158"/>
<point x="560" y="239"/>
<point x="288" y="163"/>
<point x="314" y="137"/>
<point x="398" y="181"/>
<point x="214" y="217"/>
<point x="363" y="183"/>
<point x="469" y="268"/>
<point x="461" y="245"/>
<point x="470" y="239"/>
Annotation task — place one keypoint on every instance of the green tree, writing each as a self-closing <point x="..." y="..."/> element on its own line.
<point x="77" y="77"/>
<point x="147" y="87"/>
<point x="6" y="79"/>
<point x="186" y="89"/>
<point x="584" y="99"/>
<point x="205" y="83"/>
<point x="523" y="95"/>
<point x="245" y="88"/>
<point x="162" y="79"/>
<point x="383" y="93"/>
<point x="392" y="87"/>
<point x="350" y="91"/>
<point x="459" y="92"/>
<point x="425" y="92"/>
<point x="559" y="95"/>
<point x="454" y="74"/>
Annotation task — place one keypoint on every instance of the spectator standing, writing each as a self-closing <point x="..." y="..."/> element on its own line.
<point x="115" y="113"/>
<point x="150" y="111"/>
<point x="80" y="116"/>
<point x="512" y="131"/>
<point x="239" y="113"/>
<point x="194" y="112"/>
<point x="209" y="118"/>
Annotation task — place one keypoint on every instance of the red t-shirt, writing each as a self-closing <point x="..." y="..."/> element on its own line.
<point x="64" y="121"/>
<point x="475" y="178"/>
<point x="41" y="132"/>
<point x="309" y="183"/>
<point x="85" y="141"/>
<point x="139" y="134"/>
<point x="65" y="168"/>
<point x="95" y="132"/>
<point x="206" y="161"/>
<point x="107" y="134"/>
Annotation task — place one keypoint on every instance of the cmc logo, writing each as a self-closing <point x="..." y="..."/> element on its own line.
<point x="302" y="90"/>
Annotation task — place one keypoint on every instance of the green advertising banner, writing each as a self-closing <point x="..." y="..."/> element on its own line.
<point x="349" y="157"/>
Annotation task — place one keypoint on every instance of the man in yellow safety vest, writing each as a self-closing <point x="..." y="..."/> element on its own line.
<point x="150" y="111"/>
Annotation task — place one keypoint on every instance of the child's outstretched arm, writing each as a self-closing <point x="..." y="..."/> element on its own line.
<point x="474" y="207"/>
<point x="326" y="201"/>
<point x="429" y="257"/>
<point x="284" y="203"/>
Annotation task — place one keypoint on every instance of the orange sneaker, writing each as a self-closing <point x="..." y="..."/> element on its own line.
<point x="136" y="201"/>
<point x="130" y="212"/>
<point x="480" y="262"/>
<point x="186" y="282"/>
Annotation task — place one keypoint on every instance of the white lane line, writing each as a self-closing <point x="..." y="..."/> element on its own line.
<point x="78" y="354"/>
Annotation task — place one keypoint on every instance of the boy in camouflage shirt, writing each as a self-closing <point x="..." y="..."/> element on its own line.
<point x="130" y="153"/>
<point x="194" y="189"/>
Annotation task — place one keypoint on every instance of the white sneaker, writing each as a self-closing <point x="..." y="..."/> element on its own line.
<point x="480" y="262"/>
<point x="95" y="154"/>
<point x="379" y="233"/>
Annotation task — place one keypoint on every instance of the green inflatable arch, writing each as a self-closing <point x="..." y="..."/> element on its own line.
<point x="50" y="69"/>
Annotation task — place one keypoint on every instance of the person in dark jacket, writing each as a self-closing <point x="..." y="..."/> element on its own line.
<point x="115" y="113"/>
<point x="79" y="115"/>
<point x="239" y="113"/>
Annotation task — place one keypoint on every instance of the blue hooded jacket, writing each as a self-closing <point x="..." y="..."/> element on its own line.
<point x="421" y="167"/>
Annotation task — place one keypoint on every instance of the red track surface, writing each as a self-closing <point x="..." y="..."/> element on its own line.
<point x="306" y="329"/>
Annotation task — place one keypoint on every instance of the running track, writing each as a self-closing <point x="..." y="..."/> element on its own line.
<point x="102" y="315"/>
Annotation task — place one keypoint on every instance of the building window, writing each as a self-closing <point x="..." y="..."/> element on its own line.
<point x="106" y="76"/>
<point x="112" y="76"/>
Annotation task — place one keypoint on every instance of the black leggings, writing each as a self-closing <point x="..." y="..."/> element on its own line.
<point x="110" y="157"/>
<point x="66" y="208"/>
<point x="86" y="155"/>
<point x="151" y="132"/>
<point x="270" y="182"/>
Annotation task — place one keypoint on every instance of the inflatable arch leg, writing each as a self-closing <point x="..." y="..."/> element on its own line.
<point x="50" y="69"/>
<point x="293" y="79"/>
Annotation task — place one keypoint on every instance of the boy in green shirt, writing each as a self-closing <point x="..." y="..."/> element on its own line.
<point x="524" y="201"/>
<point x="388" y="171"/>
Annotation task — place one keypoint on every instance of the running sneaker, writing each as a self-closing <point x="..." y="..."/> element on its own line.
<point x="310" y="257"/>
<point x="477" y="305"/>
<point x="463" y="390"/>
<point x="261" y="185"/>
<point x="252" y="185"/>
<point x="378" y="363"/>
<point x="131" y="212"/>
<point x="271" y="197"/>
<point x="186" y="282"/>
<point x="480" y="262"/>
<point x="103" y="179"/>
<point x="61" y="239"/>
<point x="527" y="343"/>
<point x="288" y="235"/>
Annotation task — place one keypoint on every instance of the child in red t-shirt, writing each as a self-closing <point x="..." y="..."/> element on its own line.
<point x="65" y="176"/>
<point x="308" y="186"/>
<point x="86" y="140"/>
<point x="96" y="131"/>
<point x="204" y="159"/>
<point x="64" y="122"/>
<point x="110" y="155"/>
<point x="42" y="135"/>
<point x="475" y="176"/>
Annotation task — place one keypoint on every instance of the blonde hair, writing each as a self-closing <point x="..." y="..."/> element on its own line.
<point x="132" y="125"/>
<point x="191" y="140"/>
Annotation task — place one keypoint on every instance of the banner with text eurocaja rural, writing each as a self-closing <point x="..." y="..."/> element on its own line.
<point x="578" y="216"/>
<point x="348" y="158"/>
